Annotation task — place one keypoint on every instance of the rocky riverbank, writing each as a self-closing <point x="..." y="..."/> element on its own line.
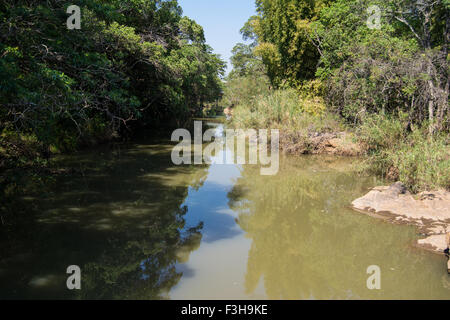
<point x="429" y="211"/>
<point x="337" y="143"/>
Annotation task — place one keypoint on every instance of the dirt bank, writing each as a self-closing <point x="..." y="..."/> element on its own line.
<point x="338" y="143"/>
<point x="429" y="211"/>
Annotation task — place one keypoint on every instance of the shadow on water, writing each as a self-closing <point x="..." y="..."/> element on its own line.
<point x="120" y="217"/>
<point x="132" y="220"/>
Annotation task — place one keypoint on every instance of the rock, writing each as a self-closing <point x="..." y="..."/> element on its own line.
<point x="434" y="242"/>
<point x="313" y="142"/>
<point x="430" y="212"/>
<point x="335" y="142"/>
<point x="398" y="188"/>
<point x="396" y="201"/>
<point x="426" y="196"/>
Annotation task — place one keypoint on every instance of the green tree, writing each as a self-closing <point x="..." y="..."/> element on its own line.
<point x="282" y="28"/>
<point x="132" y="63"/>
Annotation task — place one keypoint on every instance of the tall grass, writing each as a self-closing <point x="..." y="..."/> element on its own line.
<point x="285" y="109"/>
<point x="419" y="161"/>
<point x="394" y="149"/>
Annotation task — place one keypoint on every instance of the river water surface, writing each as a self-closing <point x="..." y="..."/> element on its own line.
<point x="140" y="227"/>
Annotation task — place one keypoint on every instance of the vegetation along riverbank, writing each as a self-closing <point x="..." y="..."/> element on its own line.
<point x="332" y="84"/>
<point x="132" y="66"/>
<point x="317" y="71"/>
<point x="87" y="175"/>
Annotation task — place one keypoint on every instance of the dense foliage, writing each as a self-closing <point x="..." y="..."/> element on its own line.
<point x="131" y="60"/>
<point x="344" y="59"/>
<point x="402" y="66"/>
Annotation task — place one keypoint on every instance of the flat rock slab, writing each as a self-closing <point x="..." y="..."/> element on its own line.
<point x="434" y="242"/>
<point x="430" y="211"/>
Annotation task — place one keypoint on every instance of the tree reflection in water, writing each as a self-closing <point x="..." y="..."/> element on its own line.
<point x="307" y="243"/>
<point x="120" y="217"/>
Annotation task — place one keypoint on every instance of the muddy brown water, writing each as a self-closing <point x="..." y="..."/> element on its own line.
<point x="140" y="227"/>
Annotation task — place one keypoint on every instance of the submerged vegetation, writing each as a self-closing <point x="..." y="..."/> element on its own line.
<point x="329" y="70"/>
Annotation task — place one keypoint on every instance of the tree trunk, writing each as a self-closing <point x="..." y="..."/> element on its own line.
<point x="431" y="101"/>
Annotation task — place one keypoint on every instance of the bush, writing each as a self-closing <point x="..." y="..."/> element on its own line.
<point x="422" y="163"/>
<point x="419" y="161"/>
<point x="244" y="90"/>
<point x="380" y="132"/>
<point x="284" y="109"/>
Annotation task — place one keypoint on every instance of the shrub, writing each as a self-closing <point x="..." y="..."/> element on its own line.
<point x="419" y="161"/>
<point x="284" y="109"/>
<point x="380" y="132"/>
<point x="422" y="163"/>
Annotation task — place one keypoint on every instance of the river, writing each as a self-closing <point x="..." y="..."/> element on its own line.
<point x="140" y="227"/>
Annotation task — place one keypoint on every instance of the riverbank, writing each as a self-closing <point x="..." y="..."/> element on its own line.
<point x="391" y="150"/>
<point x="393" y="146"/>
<point x="128" y="206"/>
<point x="327" y="143"/>
<point x="429" y="211"/>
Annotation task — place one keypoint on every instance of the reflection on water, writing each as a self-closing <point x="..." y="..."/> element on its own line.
<point x="142" y="228"/>
<point x="306" y="243"/>
<point x="297" y="238"/>
<point x="121" y="218"/>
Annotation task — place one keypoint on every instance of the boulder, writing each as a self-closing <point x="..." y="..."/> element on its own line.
<point x="396" y="200"/>
<point x="430" y="211"/>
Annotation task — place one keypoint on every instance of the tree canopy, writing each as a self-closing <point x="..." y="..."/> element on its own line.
<point x="133" y="62"/>
<point x="329" y="46"/>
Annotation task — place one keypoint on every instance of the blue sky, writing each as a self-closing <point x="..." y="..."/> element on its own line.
<point x="221" y="20"/>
